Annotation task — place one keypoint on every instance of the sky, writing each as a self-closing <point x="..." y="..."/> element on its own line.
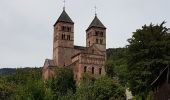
<point x="26" y="26"/>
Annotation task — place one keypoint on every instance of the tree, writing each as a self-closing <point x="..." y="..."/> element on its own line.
<point x="103" y="88"/>
<point x="85" y="87"/>
<point x="29" y="85"/>
<point x="6" y="89"/>
<point x="116" y="64"/>
<point x="148" y="54"/>
<point x="106" y="88"/>
<point x="110" y="69"/>
<point x="62" y="82"/>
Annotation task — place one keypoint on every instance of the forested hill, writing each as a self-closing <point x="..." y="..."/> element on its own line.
<point x="112" y="53"/>
<point x="116" y="53"/>
<point x="27" y="83"/>
<point x="7" y="71"/>
<point x="10" y="71"/>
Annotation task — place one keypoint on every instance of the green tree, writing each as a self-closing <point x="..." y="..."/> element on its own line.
<point x="85" y="88"/>
<point x="30" y="85"/>
<point x="62" y="82"/>
<point x="106" y="88"/>
<point x="148" y="54"/>
<point x="103" y="88"/>
<point x="110" y="69"/>
<point x="6" y="89"/>
<point x="116" y="64"/>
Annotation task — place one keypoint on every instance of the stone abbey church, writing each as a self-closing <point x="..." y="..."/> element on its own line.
<point x="89" y="59"/>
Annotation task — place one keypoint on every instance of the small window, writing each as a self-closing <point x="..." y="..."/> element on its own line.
<point x="101" y="34"/>
<point x="89" y="43"/>
<point x="92" y="70"/>
<point x="101" y="41"/>
<point x="97" y="41"/>
<point x="100" y="71"/>
<point x="85" y="69"/>
<point x="69" y="29"/>
<point x="96" y="33"/>
<point x="62" y="28"/>
<point x="64" y="37"/>
<point x="68" y="37"/>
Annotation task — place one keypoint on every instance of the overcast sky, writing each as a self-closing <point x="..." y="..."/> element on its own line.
<point x="26" y="26"/>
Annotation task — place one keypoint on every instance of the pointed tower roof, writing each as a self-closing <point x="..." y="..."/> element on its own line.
<point x="96" y="23"/>
<point x="64" y="18"/>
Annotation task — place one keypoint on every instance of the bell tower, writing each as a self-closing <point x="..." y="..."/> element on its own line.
<point x="63" y="42"/>
<point x="96" y="34"/>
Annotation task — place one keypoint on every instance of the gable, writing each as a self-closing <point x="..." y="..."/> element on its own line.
<point x="94" y="50"/>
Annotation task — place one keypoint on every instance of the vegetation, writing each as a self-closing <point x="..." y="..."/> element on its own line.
<point x="148" y="54"/>
<point x="27" y="84"/>
<point x="138" y="65"/>
<point x="7" y="71"/>
<point x="62" y="83"/>
<point x="116" y="65"/>
<point x="103" y="88"/>
<point x="134" y="67"/>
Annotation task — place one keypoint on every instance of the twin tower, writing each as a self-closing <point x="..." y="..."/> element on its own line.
<point x="89" y="59"/>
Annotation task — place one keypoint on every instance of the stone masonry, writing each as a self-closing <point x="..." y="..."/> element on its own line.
<point x="89" y="59"/>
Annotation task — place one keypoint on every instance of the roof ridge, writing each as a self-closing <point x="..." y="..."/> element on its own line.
<point x="64" y="17"/>
<point x="96" y="23"/>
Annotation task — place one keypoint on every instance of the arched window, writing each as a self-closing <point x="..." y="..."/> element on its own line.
<point x="68" y="37"/>
<point x="62" y="28"/>
<point x="101" y="34"/>
<point x="101" y="41"/>
<point x="85" y="69"/>
<point x="100" y="71"/>
<point x="69" y="29"/>
<point x="96" y="33"/>
<point x="92" y="70"/>
<point x="97" y="41"/>
<point x="64" y="37"/>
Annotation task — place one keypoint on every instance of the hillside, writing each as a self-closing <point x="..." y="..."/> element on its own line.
<point x="7" y="71"/>
<point x="112" y="53"/>
<point x="116" y="53"/>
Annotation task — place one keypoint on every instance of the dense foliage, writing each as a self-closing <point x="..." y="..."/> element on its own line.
<point x="27" y="84"/>
<point x="7" y="71"/>
<point x="116" y="65"/>
<point x="148" y="54"/>
<point x="103" y="88"/>
<point x="62" y="83"/>
<point x="134" y="67"/>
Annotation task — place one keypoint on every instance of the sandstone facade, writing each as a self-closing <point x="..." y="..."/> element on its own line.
<point x="89" y="59"/>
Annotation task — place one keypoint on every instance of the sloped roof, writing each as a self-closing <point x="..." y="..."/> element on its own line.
<point x="163" y="77"/>
<point x="96" y="23"/>
<point x="64" y="17"/>
<point x="79" y="47"/>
